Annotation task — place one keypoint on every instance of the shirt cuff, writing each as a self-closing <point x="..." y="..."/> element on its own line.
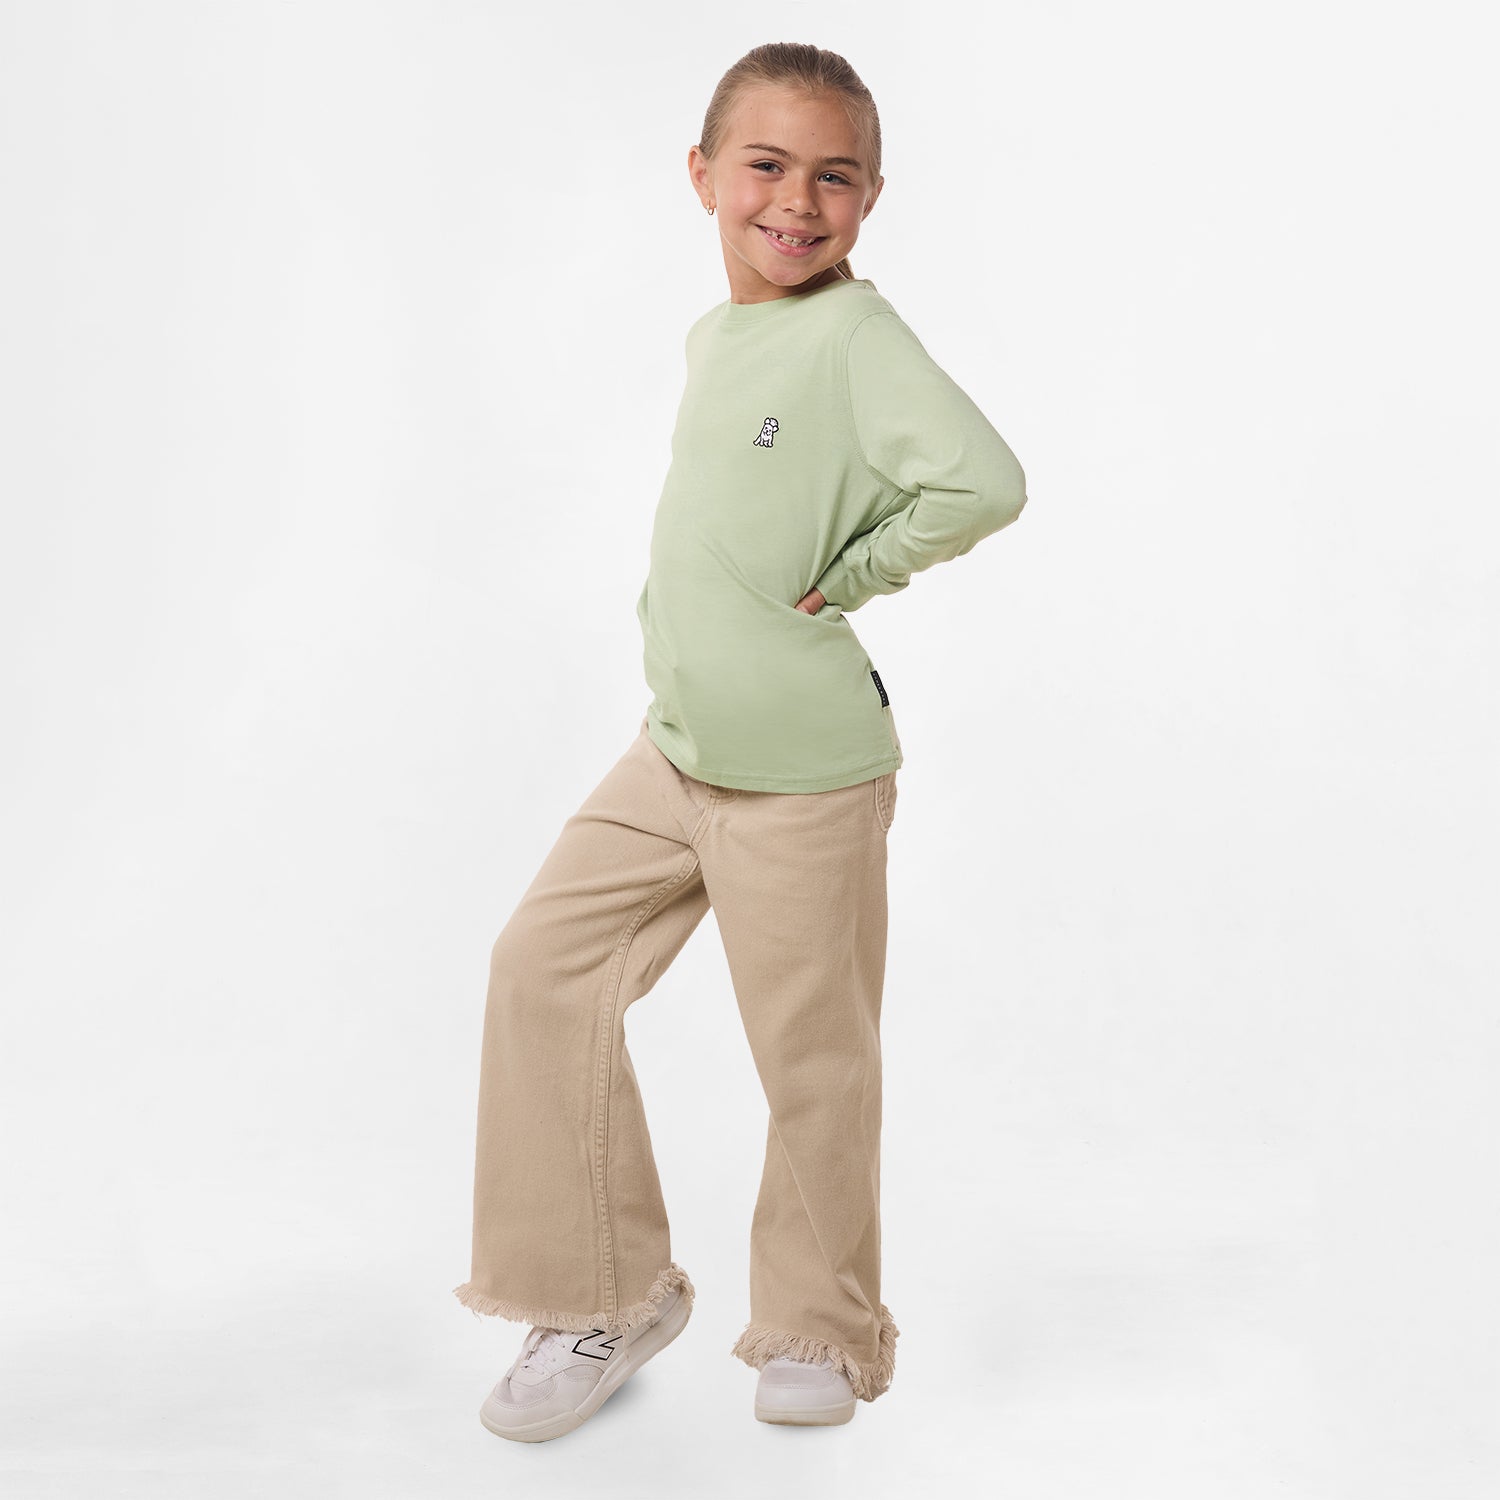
<point x="837" y="588"/>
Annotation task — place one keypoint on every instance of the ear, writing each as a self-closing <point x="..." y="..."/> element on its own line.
<point x="699" y="168"/>
<point x="873" y="199"/>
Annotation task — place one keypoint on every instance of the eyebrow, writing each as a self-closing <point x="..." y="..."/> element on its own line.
<point x="822" y="161"/>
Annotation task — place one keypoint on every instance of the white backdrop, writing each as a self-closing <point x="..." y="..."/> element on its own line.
<point x="340" y="351"/>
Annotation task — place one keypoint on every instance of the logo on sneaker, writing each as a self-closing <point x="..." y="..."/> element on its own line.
<point x="768" y="430"/>
<point x="595" y="1345"/>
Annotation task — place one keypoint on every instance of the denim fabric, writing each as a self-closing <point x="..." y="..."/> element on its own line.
<point x="570" y="1229"/>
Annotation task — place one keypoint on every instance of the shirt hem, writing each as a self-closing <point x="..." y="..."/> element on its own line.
<point x="852" y="776"/>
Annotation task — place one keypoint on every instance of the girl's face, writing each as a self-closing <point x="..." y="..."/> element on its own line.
<point x="786" y="163"/>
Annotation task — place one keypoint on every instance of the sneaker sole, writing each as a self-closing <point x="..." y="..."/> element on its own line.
<point x="652" y="1341"/>
<point x="807" y="1416"/>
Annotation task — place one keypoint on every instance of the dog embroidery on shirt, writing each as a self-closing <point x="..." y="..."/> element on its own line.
<point x="769" y="428"/>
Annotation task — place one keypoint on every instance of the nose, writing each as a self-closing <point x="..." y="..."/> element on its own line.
<point x="797" y="196"/>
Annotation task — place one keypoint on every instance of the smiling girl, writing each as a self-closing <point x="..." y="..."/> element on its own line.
<point x="820" y="457"/>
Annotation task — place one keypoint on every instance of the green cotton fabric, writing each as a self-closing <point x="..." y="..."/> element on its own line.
<point x="817" y="444"/>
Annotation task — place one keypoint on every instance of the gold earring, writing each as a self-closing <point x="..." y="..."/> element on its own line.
<point x="709" y="207"/>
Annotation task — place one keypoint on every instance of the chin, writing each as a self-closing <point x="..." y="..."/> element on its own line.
<point x="795" y="274"/>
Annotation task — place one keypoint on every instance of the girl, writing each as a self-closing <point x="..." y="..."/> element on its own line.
<point x="820" y="457"/>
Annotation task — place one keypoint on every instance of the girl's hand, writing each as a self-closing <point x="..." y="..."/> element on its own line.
<point x="811" y="602"/>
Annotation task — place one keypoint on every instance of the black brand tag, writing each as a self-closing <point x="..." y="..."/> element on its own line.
<point x="884" y="701"/>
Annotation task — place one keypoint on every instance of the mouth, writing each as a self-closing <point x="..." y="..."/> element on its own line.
<point x="787" y="244"/>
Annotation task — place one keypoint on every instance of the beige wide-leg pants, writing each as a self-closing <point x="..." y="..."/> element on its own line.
<point x="570" y="1230"/>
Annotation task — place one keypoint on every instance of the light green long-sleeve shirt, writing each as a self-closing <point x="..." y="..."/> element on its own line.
<point x="817" y="445"/>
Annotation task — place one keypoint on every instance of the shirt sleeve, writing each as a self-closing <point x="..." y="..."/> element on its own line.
<point x="920" y="432"/>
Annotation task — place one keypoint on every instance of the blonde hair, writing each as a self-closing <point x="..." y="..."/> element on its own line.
<point x="797" y="65"/>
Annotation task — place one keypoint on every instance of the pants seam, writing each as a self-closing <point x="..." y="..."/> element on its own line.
<point x="606" y="1052"/>
<point x="708" y="807"/>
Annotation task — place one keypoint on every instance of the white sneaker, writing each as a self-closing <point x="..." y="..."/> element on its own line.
<point x="561" y="1378"/>
<point x="803" y="1393"/>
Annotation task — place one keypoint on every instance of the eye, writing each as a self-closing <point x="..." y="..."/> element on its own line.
<point x="837" y="177"/>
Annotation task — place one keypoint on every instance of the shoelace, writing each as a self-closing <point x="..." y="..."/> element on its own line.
<point x="545" y="1349"/>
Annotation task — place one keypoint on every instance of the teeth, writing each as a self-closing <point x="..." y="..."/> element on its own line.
<point x="786" y="239"/>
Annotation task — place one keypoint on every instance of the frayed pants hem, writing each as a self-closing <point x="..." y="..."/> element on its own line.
<point x="670" y="1277"/>
<point x="758" y="1344"/>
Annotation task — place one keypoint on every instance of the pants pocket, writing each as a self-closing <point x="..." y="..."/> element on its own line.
<point x="885" y="800"/>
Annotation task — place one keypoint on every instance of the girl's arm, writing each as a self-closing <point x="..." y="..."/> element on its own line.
<point x="919" y="432"/>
